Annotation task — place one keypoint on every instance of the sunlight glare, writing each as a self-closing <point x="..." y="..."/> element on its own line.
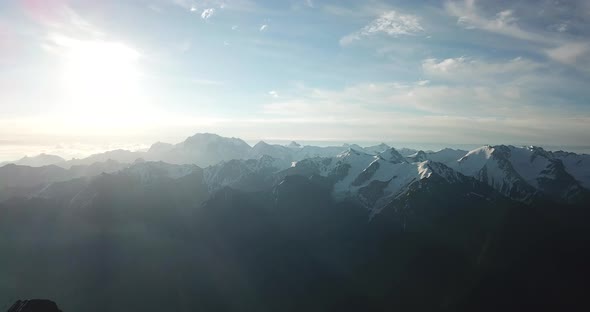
<point x="100" y="78"/>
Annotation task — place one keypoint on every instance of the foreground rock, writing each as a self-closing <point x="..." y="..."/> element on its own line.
<point x="34" y="305"/>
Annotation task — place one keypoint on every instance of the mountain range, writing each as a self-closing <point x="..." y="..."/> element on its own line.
<point x="215" y="224"/>
<point x="520" y="173"/>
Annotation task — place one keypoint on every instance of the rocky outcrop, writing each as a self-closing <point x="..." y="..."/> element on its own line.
<point x="34" y="305"/>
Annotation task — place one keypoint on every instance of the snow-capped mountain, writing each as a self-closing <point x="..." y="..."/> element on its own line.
<point x="376" y="149"/>
<point x="392" y="155"/>
<point x="446" y="156"/>
<point x="576" y="165"/>
<point x="363" y="212"/>
<point x="296" y="152"/>
<point x="374" y="180"/>
<point x="372" y="175"/>
<point x="273" y="150"/>
<point x="202" y="149"/>
<point x="294" y="144"/>
<point x="160" y="147"/>
<point x="419" y="156"/>
<point x="206" y="149"/>
<point x="309" y="151"/>
<point x="406" y="151"/>
<point x="523" y="173"/>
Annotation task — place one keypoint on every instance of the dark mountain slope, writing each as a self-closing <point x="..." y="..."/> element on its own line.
<point x="450" y="243"/>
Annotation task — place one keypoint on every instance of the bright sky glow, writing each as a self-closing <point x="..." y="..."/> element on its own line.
<point x="100" y="78"/>
<point x="98" y="73"/>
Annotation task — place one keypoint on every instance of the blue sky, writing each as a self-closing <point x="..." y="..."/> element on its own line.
<point x="90" y="73"/>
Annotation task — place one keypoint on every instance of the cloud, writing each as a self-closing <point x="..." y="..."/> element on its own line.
<point x="263" y="27"/>
<point x="309" y="3"/>
<point x="565" y="50"/>
<point x="390" y="23"/>
<point x="66" y="29"/>
<point x="428" y="113"/>
<point x="207" y="13"/>
<point x="467" y="69"/>
<point x="570" y="53"/>
<point x="61" y="18"/>
<point x="155" y="8"/>
<point x="504" y="22"/>
<point x="505" y="101"/>
<point x="273" y="93"/>
<point x="198" y="6"/>
<point x="444" y="66"/>
<point x="561" y="27"/>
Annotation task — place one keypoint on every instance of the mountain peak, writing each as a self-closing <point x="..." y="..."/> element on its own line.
<point x="350" y="152"/>
<point x="160" y="147"/>
<point x="538" y="151"/>
<point x="485" y="151"/>
<point x="392" y="155"/>
<point x="429" y="167"/>
<point x="205" y="138"/>
<point x="40" y="160"/>
<point x="261" y="144"/>
<point x="377" y="149"/>
<point x="419" y="156"/>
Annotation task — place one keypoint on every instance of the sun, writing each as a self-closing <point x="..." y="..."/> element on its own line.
<point x="100" y="78"/>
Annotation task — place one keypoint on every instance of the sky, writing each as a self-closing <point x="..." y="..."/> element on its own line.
<point x="81" y="76"/>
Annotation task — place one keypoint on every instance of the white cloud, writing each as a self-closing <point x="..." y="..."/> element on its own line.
<point x="197" y="6"/>
<point x="263" y="27"/>
<point x="463" y="68"/>
<point x="207" y="13"/>
<point x="391" y="23"/>
<point x="155" y="8"/>
<point x="69" y="22"/>
<point x="444" y="66"/>
<point x="274" y="94"/>
<point x="512" y="97"/>
<point x="503" y="23"/>
<point x="447" y="114"/>
<point x="569" y="53"/>
<point x="505" y="18"/>
<point x="68" y="29"/>
<point x="560" y="49"/>
<point x="561" y="27"/>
